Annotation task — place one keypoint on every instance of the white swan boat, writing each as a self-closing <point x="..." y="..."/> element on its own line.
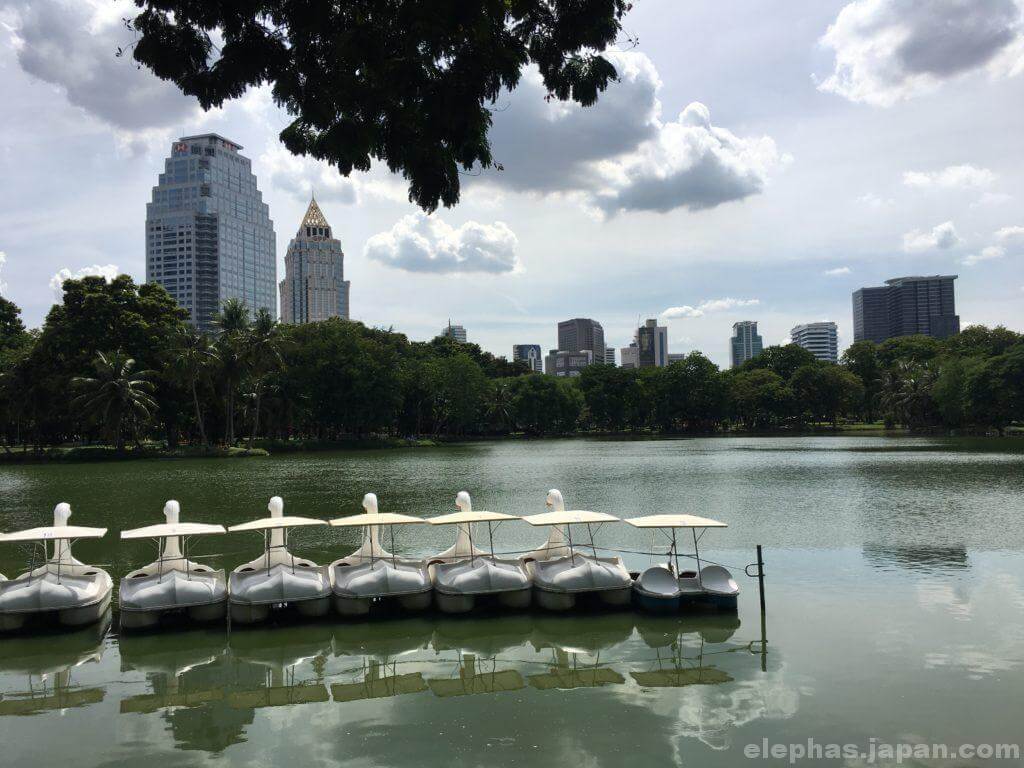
<point x="372" y="574"/>
<point x="172" y="582"/>
<point x="464" y="574"/>
<point x="74" y="593"/>
<point x="666" y="588"/>
<point x="561" y="573"/>
<point x="277" y="578"/>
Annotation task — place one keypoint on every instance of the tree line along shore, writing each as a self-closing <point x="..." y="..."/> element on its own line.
<point x="116" y="369"/>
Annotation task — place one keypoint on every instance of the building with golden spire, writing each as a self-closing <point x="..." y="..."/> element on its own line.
<point x="314" y="286"/>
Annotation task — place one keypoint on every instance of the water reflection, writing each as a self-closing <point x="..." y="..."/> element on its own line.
<point x="917" y="557"/>
<point x="40" y="671"/>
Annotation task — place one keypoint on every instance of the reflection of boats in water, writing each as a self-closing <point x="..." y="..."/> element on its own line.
<point x="585" y="633"/>
<point x="380" y="680"/>
<point x="383" y="640"/>
<point x="473" y="675"/>
<point x="62" y="588"/>
<point x="48" y="668"/>
<point x="279" y="660"/>
<point x="172" y="583"/>
<point x="174" y="668"/>
<point x="483" y="637"/>
<point x="561" y="573"/>
<point x="671" y="667"/>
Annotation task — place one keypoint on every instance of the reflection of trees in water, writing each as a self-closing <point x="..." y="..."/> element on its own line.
<point x="916" y="557"/>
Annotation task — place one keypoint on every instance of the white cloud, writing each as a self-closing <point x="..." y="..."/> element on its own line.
<point x="422" y="243"/>
<point x="890" y="50"/>
<point x="709" y="305"/>
<point x="71" y="45"/>
<point x="837" y="271"/>
<point x="985" y="254"/>
<point x="107" y="271"/>
<point x="942" y="237"/>
<point x="991" y="198"/>
<point x="874" y="201"/>
<point x="619" y="155"/>
<point x="950" y="177"/>
<point x="1010" y="234"/>
<point x="3" y="285"/>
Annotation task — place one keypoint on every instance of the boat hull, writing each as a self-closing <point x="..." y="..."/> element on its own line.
<point x="73" y="600"/>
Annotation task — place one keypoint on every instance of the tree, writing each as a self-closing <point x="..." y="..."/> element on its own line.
<point x="193" y="355"/>
<point x="263" y="356"/>
<point x="115" y="393"/>
<point x="979" y="341"/>
<point x="995" y="390"/>
<point x="233" y="323"/>
<point x="546" y="404"/>
<point x="782" y="360"/>
<point x="407" y="83"/>
<point x="825" y="391"/>
<point x="12" y="330"/>
<point x="861" y="359"/>
<point x="693" y="393"/>
<point x="911" y="349"/>
<point x="760" y="398"/>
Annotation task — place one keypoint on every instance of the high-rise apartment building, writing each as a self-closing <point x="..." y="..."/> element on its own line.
<point x="581" y="334"/>
<point x="745" y="342"/>
<point x="209" y="237"/>
<point x="652" y="345"/>
<point x="529" y="354"/>
<point x="820" y="339"/>
<point x="905" y="306"/>
<point x="456" y="332"/>
<point x="609" y="355"/>
<point x="630" y="356"/>
<point x="561" y="363"/>
<point x="314" y="286"/>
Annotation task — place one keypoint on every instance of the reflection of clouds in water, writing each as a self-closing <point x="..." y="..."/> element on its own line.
<point x="978" y="663"/>
<point x="945" y="596"/>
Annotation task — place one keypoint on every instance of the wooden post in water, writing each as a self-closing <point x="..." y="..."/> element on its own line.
<point x="760" y="593"/>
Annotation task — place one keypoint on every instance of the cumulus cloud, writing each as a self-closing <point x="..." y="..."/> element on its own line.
<point x="107" y="271"/>
<point x="422" y="243"/>
<point x="709" y="305"/>
<point x="890" y="50"/>
<point x="942" y="237"/>
<point x="991" y="198"/>
<point x="619" y="155"/>
<point x="872" y="200"/>
<point x="301" y="177"/>
<point x="71" y="44"/>
<point x="1010" y="234"/>
<point x="985" y="254"/>
<point x="837" y="271"/>
<point x="950" y="177"/>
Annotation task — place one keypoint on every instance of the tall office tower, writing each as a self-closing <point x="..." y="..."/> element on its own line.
<point x="630" y="356"/>
<point x="906" y="306"/>
<point x="581" y="334"/>
<point x="456" y="332"/>
<point x="314" y="286"/>
<point x="652" y="345"/>
<point x="529" y="354"/>
<point x="209" y="237"/>
<point x="745" y="342"/>
<point x="561" y="363"/>
<point x="820" y="339"/>
<point x="609" y="355"/>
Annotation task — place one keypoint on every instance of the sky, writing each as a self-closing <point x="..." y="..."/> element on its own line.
<point x="756" y="160"/>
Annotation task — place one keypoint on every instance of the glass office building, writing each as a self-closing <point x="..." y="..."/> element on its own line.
<point x="209" y="237"/>
<point x="314" y="286"/>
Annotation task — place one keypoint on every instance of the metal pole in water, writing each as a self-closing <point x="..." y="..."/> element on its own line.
<point x="760" y="593"/>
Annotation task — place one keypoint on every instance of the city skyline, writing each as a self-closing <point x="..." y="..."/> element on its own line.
<point x="822" y="207"/>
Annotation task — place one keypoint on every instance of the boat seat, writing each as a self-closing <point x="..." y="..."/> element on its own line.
<point x="659" y="580"/>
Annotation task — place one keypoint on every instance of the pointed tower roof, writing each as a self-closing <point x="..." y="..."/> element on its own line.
<point x="314" y="216"/>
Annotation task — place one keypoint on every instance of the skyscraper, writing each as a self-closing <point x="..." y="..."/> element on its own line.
<point x="609" y="355"/>
<point x="314" y="286"/>
<point x="652" y="345"/>
<point x="529" y="354"/>
<point x="456" y="332"/>
<point x="561" y="363"/>
<point x="209" y="236"/>
<point x="820" y="339"/>
<point x="579" y="334"/>
<point x="745" y="342"/>
<point x="905" y="306"/>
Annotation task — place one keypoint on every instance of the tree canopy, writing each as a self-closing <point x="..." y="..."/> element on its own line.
<point x="405" y="82"/>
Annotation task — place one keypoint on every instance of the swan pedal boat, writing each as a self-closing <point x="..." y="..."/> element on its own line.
<point x="561" y="573"/>
<point x="73" y="593"/>
<point x="277" y="578"/>
<point x="464" y="574"/>
<point x="371" y="574"/>
<point x="667" y="589"/>
<point x="172" y="583"/>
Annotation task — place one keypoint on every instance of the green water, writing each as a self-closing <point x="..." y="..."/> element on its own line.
<point x="895" y="613"/>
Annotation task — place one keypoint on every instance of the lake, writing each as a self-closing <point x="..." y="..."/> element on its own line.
<point x="895" y="596"/>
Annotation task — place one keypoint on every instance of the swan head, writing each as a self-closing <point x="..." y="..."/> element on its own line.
<point x="370" y="503"/>
<point x="554" y="500"/>
<point x="172" y="510"/>
<point x="276" y="506"/>
<point x="463" y="502"/>
<point x="61" y="513"/>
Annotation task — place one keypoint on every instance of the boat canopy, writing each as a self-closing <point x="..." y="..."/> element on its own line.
<point x="471" y="516"/>
<point x="674" y="521"/>
<point x="164" y="530"/>
<point x="570" y="517"/>
<point x="265" y="523"/>
<point x="379" y="518"/>
<point x="53" y="533"/>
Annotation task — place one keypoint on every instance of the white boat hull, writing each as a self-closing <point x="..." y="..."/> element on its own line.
<point x="253" y="594"/>
<point x="559" y="583"/>
<point x="357" y="588"/>
<point x="74" y="599"/>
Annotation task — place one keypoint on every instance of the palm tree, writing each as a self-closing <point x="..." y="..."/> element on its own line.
<point x="192" y="356"/>
<point x="263" y="355"/>
<point x="233" y="324"/>
<point x="115" y="393"/>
